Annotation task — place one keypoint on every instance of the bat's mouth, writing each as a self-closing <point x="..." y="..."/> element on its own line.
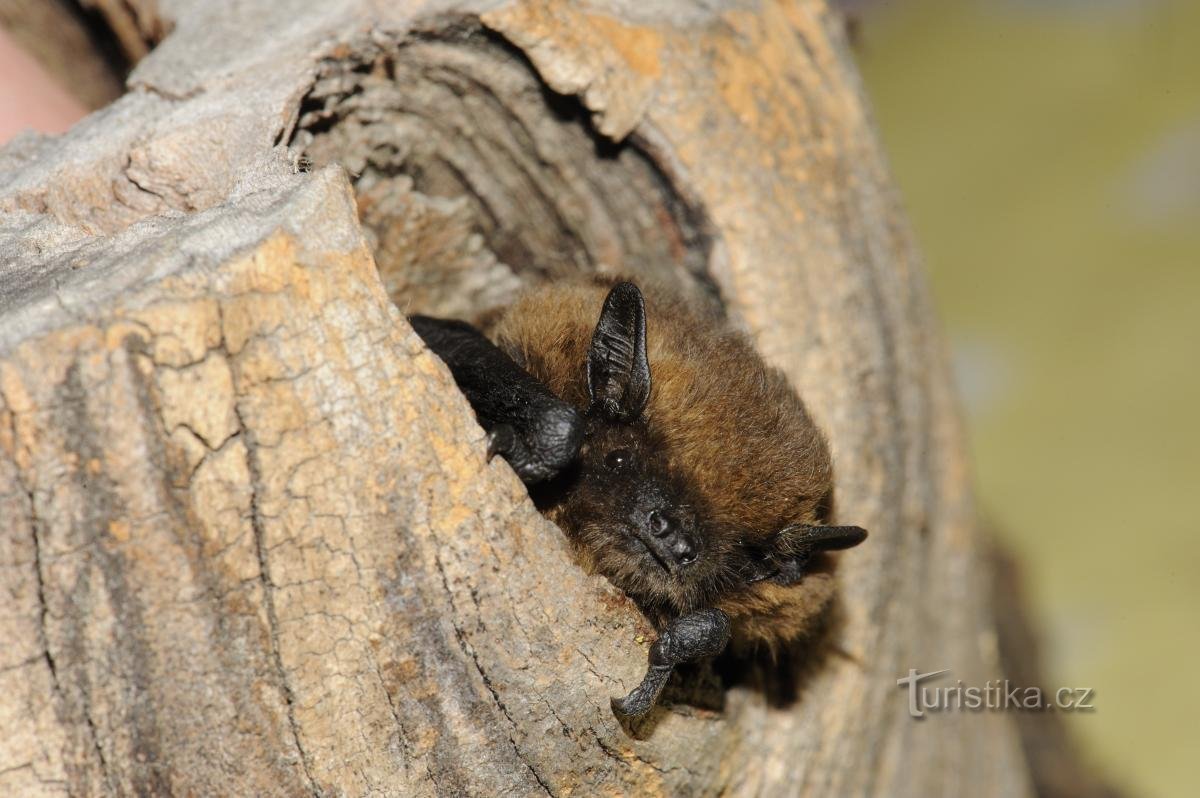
<point x="644" y="542"/>
<point x="672" y="552"/>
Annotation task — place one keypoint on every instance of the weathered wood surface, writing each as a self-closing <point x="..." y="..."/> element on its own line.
<point x="249" y="543"/>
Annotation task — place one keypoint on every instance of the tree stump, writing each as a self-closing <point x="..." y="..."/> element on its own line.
<point x="249" y="540"/>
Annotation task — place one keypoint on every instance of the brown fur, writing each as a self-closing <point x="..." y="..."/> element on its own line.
<point x="730" y="425"/>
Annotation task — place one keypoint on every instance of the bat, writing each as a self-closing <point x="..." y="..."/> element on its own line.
<point x="679" y="464"/>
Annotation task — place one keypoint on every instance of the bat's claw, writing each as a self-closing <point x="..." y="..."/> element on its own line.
<point x="693" y="636"/>
<point x="500" y="440"/>
<point x="644" y="696"/>
<point x="628" y="707"/>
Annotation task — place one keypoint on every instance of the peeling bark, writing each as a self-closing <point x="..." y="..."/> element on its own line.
<point x="248" y="534"/>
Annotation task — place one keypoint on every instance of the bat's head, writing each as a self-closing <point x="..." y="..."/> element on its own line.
<point x="629" y="514"/>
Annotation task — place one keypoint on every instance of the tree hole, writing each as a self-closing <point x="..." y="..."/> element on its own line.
<point x="473" y="178"/>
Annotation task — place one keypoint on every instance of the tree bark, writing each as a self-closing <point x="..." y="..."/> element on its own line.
<point x="249" y="541"/>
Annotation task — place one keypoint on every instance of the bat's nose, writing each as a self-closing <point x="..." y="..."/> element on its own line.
<point x="662" y="524"/>
<point x="684" y="549"/>
<point x="673" y="541"/>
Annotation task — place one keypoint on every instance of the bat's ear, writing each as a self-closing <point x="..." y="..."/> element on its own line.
<point x="617" y="369"/>
<point x="828" y="538"/>
<point x="803" y="541"/>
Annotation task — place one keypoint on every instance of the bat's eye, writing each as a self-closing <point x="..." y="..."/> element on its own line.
<point x="618" y="459"/>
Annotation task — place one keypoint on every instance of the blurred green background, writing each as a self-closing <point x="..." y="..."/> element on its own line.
<point x="1049" y="156"/>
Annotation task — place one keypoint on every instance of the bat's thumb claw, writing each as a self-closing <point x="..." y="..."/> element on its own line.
<point x="627" y="707"/>
<point x="499" y="440"/>
<point x="644" y="696"/>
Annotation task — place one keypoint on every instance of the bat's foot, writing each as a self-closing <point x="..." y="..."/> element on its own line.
<point x="694" y="636"/>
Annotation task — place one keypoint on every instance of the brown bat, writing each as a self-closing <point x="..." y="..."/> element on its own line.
<point x="680" y="466"/>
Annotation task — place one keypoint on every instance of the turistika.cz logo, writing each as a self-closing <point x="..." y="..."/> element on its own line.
<point x="993" y="696"/>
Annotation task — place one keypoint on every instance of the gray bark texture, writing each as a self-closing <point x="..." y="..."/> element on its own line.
<point x="249" y="540"/>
